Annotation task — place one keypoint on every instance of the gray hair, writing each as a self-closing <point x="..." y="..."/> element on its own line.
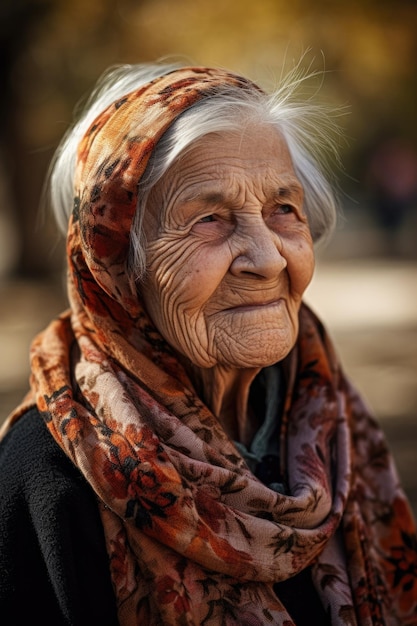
<point x="308" y="128"/>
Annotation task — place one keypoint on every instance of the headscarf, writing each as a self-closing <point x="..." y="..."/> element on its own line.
<point x="193" y="536"/>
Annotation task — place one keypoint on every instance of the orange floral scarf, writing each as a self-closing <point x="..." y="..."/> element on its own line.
<point x="193" y="536"/>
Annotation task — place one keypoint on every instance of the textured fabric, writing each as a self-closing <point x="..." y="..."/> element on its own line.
<point x="53" y="558"/>
<point x="193" y="536"/>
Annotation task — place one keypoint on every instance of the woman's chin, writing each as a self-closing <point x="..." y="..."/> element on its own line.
<point x="260" y="349"/>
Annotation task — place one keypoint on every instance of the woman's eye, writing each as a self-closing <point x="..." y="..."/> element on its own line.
<point x="284" y="209"/>
<point x="206" y="218"/>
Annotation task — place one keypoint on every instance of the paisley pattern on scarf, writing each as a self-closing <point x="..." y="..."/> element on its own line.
<point x="193" y="537"/>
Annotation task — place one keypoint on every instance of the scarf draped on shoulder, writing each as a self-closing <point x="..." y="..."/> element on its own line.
<point x="193" y="537"/>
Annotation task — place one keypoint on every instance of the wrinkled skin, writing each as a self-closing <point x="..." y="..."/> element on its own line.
<point x="229" y="257"/>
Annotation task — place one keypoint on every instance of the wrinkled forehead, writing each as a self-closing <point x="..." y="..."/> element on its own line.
<point x="222" y="167"/>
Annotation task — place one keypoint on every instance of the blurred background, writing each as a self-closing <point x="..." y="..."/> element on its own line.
<point x="365" y="288"/>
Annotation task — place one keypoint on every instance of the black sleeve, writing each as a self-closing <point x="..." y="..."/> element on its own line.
<point x="53" y="561"/>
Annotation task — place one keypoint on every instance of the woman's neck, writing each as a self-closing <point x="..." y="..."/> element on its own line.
<point x="226" y="393"/>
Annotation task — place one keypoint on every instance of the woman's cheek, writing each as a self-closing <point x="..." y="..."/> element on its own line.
<point x="299" y="253"/>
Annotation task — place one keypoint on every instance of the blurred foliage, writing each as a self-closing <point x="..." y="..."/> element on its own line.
<point x="53" y="51"/>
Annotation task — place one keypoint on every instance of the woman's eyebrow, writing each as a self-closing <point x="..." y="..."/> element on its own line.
<point x="288" y="191"/>
<point x="209" y="198"/>
<point x="215" y="197"/>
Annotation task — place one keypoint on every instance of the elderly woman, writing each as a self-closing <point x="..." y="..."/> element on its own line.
<point x="191" y="451"/>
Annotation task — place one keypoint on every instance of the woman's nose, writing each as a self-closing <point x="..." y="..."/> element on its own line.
<point x="258" y="252"/>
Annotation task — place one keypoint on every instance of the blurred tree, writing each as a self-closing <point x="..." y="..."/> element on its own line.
<point x="22" y="169"/>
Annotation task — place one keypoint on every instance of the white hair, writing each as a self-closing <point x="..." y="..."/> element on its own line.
<point x="308" y="128"/>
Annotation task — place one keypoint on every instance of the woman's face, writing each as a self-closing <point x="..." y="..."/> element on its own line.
<point x="229" y="251"/>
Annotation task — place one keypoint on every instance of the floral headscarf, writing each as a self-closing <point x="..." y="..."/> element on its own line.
<point x="193" y="536"/>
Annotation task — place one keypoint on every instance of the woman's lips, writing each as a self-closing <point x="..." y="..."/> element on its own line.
<point x="255" y="306"/>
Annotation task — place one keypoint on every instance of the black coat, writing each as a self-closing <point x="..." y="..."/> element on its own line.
<point x="53" y="561"/>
